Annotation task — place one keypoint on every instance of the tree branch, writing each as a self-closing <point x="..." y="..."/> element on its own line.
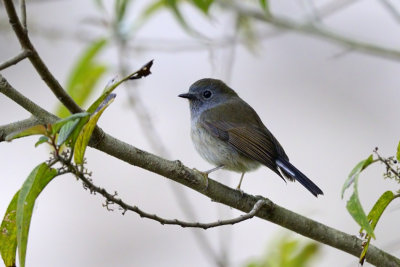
<point x="112" y="199"/>
<point x="17" y="126"/>
<point x="216" y="191"/>
<point x="26" y="103"/>
<point x="176" y="171"/>
<point x="37" y="62"/>
<point x="14" y="60"/>
<point x="312" y="29"/>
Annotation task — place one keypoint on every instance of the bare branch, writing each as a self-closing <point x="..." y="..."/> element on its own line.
<point x="391" y="10"/>
<point x="111" y="198"/>
<point x="23" y="14"/>
<point x="14" y="60"/>
<point x="26" y="103"/>
<point x="314" y="30"/>
<point x="36" y="60"/>
<point x="218" y="192"/>
<point x="17" y="126"/>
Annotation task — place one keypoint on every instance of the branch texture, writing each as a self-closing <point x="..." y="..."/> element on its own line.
<point x="218" y="192"/>
<point x="313" y="30"/>
<point x="36" y="60"/>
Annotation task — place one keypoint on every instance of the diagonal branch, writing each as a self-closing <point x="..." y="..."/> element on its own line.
<point x="26" y="103"/>
<point x="112" y="199"/>
<point x="313" y="30"/>
<point x="36" y="60"/>
<point x="14" y="60"/>
<point x="176" y="171"/>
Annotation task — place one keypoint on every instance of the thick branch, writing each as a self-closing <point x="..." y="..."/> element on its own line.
<point x="37" y="62"/>
<point x="112" y="199"/>
<point x="17" y="126"/>
<point x="312" y="29"/>
<point x="177" y="172"/>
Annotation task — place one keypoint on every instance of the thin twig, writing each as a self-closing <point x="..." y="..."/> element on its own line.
<point x="218" y="192"/>
<point x="36" y="60"/>
<point x="150" y="132"/>
<point x="23" y="101"/>
<point x="314" y="30"/>
<point x="111" y="198"/>
<point x="14" y="60"/>
<point x="386" y="162"/>
<point x="391" y="10"/>
<point x="23" y="14"/>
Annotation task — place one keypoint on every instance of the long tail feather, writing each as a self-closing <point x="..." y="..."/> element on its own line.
<point x="292" y="172"/>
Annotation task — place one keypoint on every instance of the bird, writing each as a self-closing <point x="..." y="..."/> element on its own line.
<point x="228" y="133"/>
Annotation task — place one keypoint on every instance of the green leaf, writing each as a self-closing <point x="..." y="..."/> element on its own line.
<point x="8" y="233"/>
<point x="374" y="216"/>
<point x="42" y="139"/>
<point x="398" y="152"/>
<point x="120" y="9"/>
<point x="152" y="9"/>
<point x="203" y="5"/>
<point x="30" y="190"/>
<point x="288" y="252"/>
<point x="84" y="76"/>
<point x="66" y="131"/>
<point x="353" y="176"/>
<point x="55" y="127"/>
<point x="84" y="136"/>
<point x="265" y="5"/>
<point x="379" y="207"/>
<point x="357" y="212"/>
<point x="111" y="85"/>
<point x="37" y="129"/>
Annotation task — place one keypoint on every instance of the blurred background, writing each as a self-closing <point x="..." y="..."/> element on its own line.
<point x="328" y="104"/>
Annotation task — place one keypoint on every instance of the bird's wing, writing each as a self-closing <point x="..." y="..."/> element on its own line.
<point x="249" y="141"/>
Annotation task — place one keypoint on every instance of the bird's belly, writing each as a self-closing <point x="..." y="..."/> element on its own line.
<point x="218" y="152"/>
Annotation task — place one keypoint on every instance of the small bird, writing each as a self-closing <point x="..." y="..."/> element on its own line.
<point x="228" y="133"/>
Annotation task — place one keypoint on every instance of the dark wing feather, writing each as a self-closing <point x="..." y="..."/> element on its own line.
<point x="238" y="124"/>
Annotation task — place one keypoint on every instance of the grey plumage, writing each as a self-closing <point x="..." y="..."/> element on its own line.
<point x="227" y="131"/>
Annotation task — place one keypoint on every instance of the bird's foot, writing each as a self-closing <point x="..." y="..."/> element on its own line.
<point x="240" y="190"/>
<point x="205" y="176"/>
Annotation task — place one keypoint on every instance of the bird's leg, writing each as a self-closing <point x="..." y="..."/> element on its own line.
<point x="240" y="182"/>
<point x="206" y="173"/>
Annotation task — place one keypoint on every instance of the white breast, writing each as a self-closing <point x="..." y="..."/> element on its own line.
<point x="219" y="152"/>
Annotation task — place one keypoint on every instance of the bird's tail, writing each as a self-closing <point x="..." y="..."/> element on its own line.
<point x="292" y="173"/>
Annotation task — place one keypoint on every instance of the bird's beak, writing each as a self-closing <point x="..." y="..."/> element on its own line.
<point x="188" y="96"/>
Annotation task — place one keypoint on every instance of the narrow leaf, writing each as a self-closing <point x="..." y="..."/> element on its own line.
<point x="203" y="5"/>
<point x="37" y="129"/>
<point x="66" y="131"/>
<point x="364" y="251"/>
<point x="57" y="125"/>
<point x="84" y="76"/>
<point x="8" y="233"/>
<point x="379" y="207"/>
<point x="265" y="5"/>
<point x="356" y="211"/>
<point x="84" y="136"/>
<point x="30" y="190"/>
<point x="42" y="139"/>
<point x="398" y="152"/>
<point x="142" y="72"/>
<point x="353" y="176"/>
<point x="374" y="216"/>
<point x="120" y="9"/>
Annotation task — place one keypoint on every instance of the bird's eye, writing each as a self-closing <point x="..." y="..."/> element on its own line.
<point x="207" y="94"/>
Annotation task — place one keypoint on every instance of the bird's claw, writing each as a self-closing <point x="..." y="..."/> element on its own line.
<point x="240" y="190"/>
